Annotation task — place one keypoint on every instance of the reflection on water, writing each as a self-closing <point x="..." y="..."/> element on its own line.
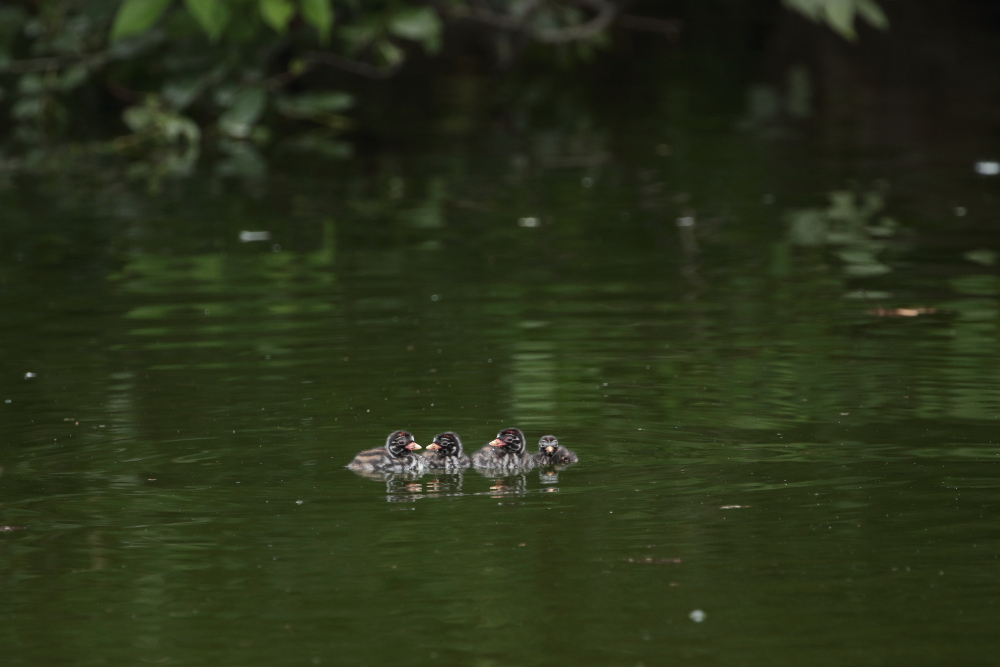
<point x="411" y="487"/>
<point x="785" y="407"/>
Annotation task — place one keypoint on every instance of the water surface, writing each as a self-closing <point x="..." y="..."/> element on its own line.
<point x="784" y="401"/>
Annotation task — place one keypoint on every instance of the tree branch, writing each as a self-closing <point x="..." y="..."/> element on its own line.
<point x="670" y="28"/>
<point x="606" y="13"/>
<point x="50" y="63"/>
<point x="349" y="65"/>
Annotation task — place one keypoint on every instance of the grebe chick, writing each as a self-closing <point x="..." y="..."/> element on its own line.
<point x="505" y="452"/>
<point x="396" y="456"/>
<point x="551" y="453"/>
<point x="446" y="452"/>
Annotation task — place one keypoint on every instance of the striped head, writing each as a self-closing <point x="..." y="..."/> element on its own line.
<point x="399" y="443"/>
<point x="511" y="440"/>
<point x="446" y="444"/>
<point x="547" y="445"/>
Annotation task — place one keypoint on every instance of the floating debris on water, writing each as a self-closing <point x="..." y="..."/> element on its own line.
<point x="734" y="507"/>
<point x="901" y="312"/>
<point x="697" y="616"/>
<point x="983" y="256"/>
<point x="868" y="294"/>
<point x="987" y="168"/>
<point x="654" y="561"/>
<point x="247" y="237"/>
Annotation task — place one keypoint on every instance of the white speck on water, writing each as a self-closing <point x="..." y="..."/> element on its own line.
<point x="489" y="361"/>
<point x="246" y="237"/>
<point x="528" y="222"/>
<point x="587" y="182"/>
<point x="30" y="375"/>
<point x="697" y="616"/>
<point x="686" y="221"/>
<point x="988" y="168"/>
<point x="435" y="297"/>
<point x="7" y="400"/>
<point x="960" y="211"/>
<point x="299" y="502"/>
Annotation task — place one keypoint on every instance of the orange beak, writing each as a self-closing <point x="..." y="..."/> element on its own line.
<point x="413" y="446"/>
<point x="497" y="443"/>
<point x="433" y="447"/>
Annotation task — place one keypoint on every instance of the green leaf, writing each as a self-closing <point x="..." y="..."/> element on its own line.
<point x="313" y="104"/>
<point x="420" y="24"/>
<point x="840" y="17"/>
<point x="136" y="16"/>
<point x="73" y="77"/>
<point x="277" y="13"/>
<point x="873" y="14"/>
<point x="239" y="119"/>
<point x="212" y="15"/>
<point x="320" y="144"/>
<point x="391" y="54"/>
<point x="137" y="118"/>
<point x="318" y="14"/>
<point x="809" y="8"/>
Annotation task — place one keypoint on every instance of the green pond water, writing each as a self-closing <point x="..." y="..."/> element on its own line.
<point x="778" y="362"/>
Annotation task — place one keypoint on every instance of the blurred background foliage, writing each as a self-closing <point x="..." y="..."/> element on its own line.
<point x="160" y="81"/>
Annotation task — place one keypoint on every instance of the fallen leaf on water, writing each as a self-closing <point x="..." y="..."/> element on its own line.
<point x="901" y="312"/>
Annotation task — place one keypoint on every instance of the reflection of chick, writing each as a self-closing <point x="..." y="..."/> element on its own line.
<point x="506" y="452"/>
<point x="551" y="453"/>
<point x="548" y="476"/>
<point x="446" y="452"/>
<point x="447" y="483"/>
<point x="511" y="484"/>
<point x="396" y="456"/>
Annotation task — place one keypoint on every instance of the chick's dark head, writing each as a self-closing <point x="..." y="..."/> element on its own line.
<point x="547" y="445"/>
<point x="399" y="443"/>
<point x="447" y="443"/>
<point x="510" y="439"/>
